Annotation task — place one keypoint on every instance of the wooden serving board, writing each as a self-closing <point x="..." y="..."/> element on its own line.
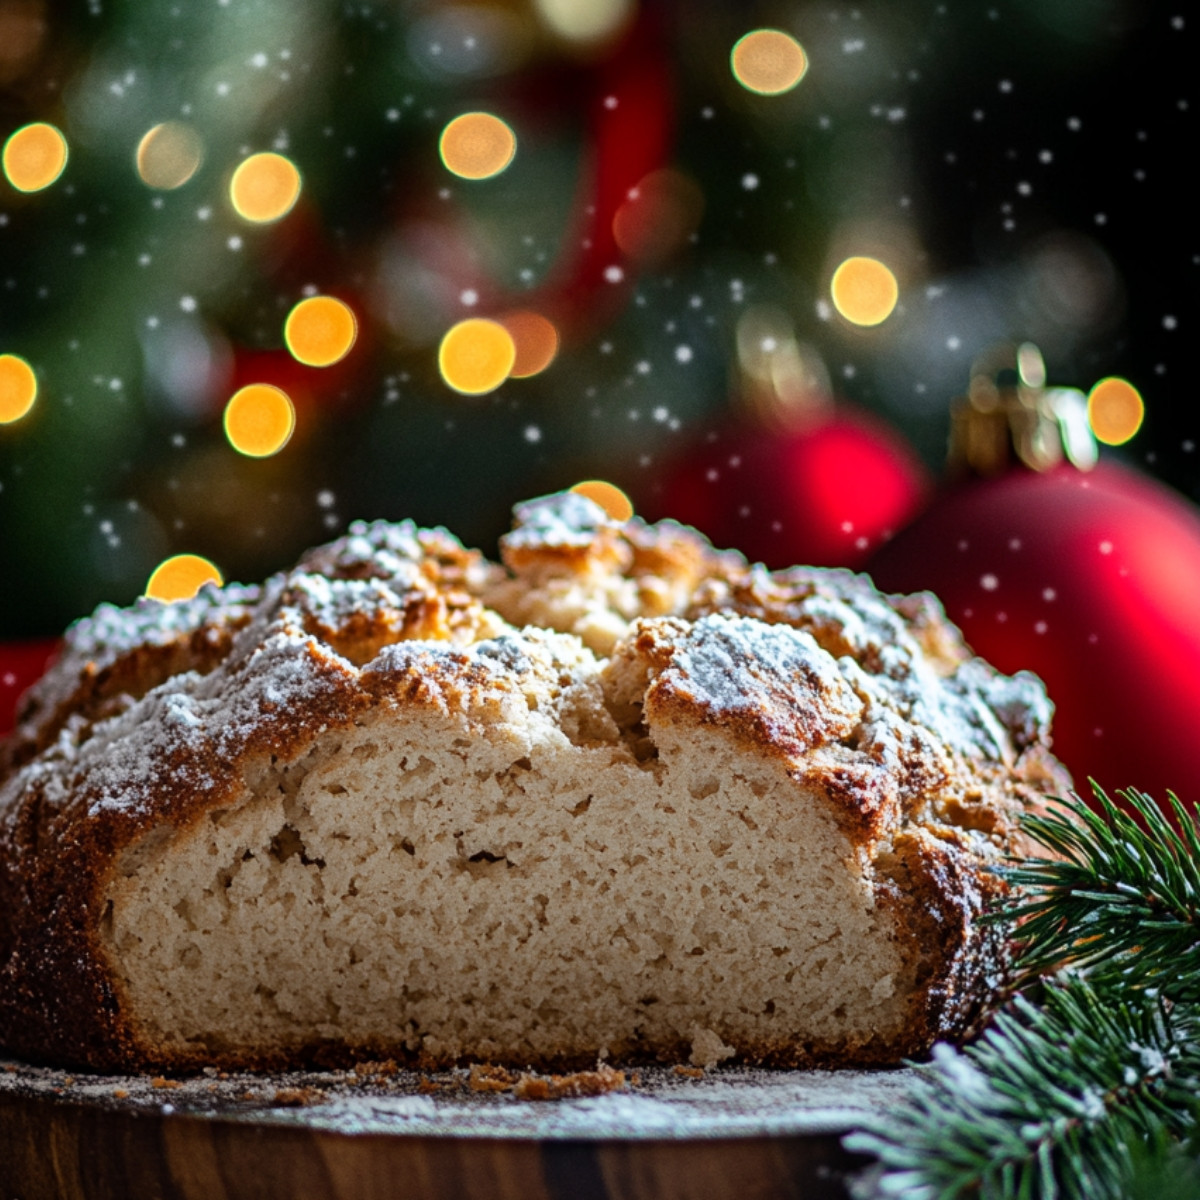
<point x="737" y="1134"/>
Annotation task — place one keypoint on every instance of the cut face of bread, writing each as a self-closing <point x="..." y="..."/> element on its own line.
<point x="694" y="812"/>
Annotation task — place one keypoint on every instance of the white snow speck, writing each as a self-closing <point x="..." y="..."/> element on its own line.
<point x="683" y="354"/>
<point x="1049" y="595"/>
<point x="533" y="433"/>
<point x="187" y="303"/>
<point x="469" y="297"/>
<point x="1106" y="547"/>
<point x="613" y="274"/>
<point x="989" y="582"/>
<point x="749" y="181"/>
<point x="1170" y="322"/>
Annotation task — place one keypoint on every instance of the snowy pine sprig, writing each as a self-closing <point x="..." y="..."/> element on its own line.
<point x="1086" y="1086"/>
<point x="1121" y="900"/>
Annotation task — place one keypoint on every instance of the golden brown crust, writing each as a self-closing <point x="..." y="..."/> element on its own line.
<point x="927" y="756"/>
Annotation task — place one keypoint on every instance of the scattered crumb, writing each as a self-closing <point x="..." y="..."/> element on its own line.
<point x="159" y="1082"/>
<point x="120" y="1094"/>
<point x="486" y="1078"/>
<point x="376" y="1069"/>
<point x="298" y="1097"/>
<point x="558" y="1087"/>
<point x="707" y="1048"/>
<point x="690" y="1072"/>
<point x="427" y="1086"/>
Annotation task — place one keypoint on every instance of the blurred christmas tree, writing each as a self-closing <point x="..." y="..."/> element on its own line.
<point x="633" y="194"/>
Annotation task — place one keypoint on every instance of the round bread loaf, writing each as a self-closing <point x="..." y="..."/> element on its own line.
<point x="622" y="796"/>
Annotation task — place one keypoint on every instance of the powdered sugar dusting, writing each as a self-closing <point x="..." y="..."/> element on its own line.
<point x="563" y="519"/>
<point x="657" y="1102"/>
<point x="774" y="674"/>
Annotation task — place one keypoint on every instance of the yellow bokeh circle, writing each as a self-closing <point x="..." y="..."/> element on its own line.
<point x="181" y="577"/>
<point x="264" y="187"/>
<point x="476" y="356"/>
<point x="34" y="157"/>
<point x="477" y="145"/>
<point x="18" y="388"/>
<point x="320" y="331"/>
<point x="1115" y="410"/>
<point x="864" y="291"/>
<point x="608" y="496"/>
<point x="259" y="420"/>
<point x="768" y="61"/>
<point x="169" y="155"/>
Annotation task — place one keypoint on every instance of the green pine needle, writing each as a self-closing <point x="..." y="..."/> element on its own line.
<point x="1047" y="1104"/>
<point x="1090" y="1092"/>
<point x="1122" y="901"/>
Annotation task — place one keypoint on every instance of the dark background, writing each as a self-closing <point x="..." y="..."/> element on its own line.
<point x="1025" y="166"/>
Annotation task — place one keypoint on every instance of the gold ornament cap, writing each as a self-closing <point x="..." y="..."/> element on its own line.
<point x="1009" y="415"/>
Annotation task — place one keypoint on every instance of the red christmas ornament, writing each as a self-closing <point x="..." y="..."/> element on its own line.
<point x="824" y="494"/>
<point x="797" y="478"/>
<point x="1088" y="578"/>
<point x="21" y="664"/>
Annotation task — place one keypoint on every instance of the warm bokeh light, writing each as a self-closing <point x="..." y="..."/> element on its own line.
<point x="476" y="356"/>
<point x="584" y="20"/>
<point x="319" y="331"/>
<point x="535" y="339"/>
<point x="768" y="61"/>
<point x="1115" y="410"/>
<point x="659" y="217"/>
<point x="181" y="577"/>
<point x="864" y="291"/>
<point x="259" y="420"/>
<point x="169" y="155"/>
<point x="18" y="388"/>
<point x="34" y="157"/>
<point x="608" y="496"/>
<point x="264" y="187"/>
<point x="477" y="145"/>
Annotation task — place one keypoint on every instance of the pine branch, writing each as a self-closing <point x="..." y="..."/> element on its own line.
<point x="1122" y="901"/>
<point x="1049" y="1103"/>
<point x="1088" y="1093"/>
<point x="1164" y="1169"/>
